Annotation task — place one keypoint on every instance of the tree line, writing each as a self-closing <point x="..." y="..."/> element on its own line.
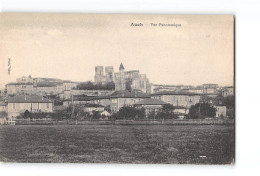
<point x="90" y="86"/>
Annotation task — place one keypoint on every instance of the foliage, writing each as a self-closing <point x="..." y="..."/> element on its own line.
<point x="130" y="113"/>
<point x="229" y="101"/>
<point x="108" y="108"/>
<point x="151" y="115"/>
<point x="90" y="86"/>
<point x="201" y="111"/>
<point x="166" y="112"/>
<point x="3" y="114"/>
<point x="96" y="115"/>
<point x="27" y="114"/>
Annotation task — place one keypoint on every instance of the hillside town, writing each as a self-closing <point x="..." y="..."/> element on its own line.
<point x="123" y="94"/>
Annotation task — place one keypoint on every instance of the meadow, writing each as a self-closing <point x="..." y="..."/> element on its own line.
<point x="177" y="144"/>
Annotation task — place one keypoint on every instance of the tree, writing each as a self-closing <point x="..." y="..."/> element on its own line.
<point x="27" y="114"/>
<point x="166" y="112"/>
<point x="229" y="101"/>
<point x="90" y="86"/>
<point x="130" y="113"/>
<point x="201" y="111"/>
<point x="107" y="108"/>
<point x="96" y="115"/>
<point x="110" y="86"/>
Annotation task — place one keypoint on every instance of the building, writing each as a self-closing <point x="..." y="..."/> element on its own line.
<point x="102" y="100"/>
<point x="163" y="87"/>
<point x="141" y="83"/>
<point x="25" y="79"/>
<point x="184" y="99"/>
<point x="100" y="77"/>
<point x="131" y="80"/>
<point x="77" y="100"/>
<point x="210" y="88"/>
<point x="125" y="98"/>
<point x="120" y="79"/>
<point x="196" y="90"/>
<point x="69" y="85"/>
<point x="3" y="106"/>
<point x="109" y="73"/>
<point x="48" y="89"/>
<point x="228" y="91"/>
<point x="36" y="81"/>
<point x="221" y="111"/>
<point x="181" y="111"/>
<point x="19" y="88"/>
<point x="150" y="105"/>
<point x="33" y="103"/>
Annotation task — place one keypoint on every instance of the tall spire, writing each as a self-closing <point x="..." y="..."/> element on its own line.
<point x="121" y="67"/>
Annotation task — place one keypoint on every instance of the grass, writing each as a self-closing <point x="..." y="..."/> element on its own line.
<point x="185" y="144"/>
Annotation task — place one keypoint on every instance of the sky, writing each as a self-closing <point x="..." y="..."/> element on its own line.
<point x="69" y="46"/>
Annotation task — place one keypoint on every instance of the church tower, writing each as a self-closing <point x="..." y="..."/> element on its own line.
<point x="120" y="81"/>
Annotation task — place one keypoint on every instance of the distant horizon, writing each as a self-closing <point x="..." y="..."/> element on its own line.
<point x="14" y="81"/>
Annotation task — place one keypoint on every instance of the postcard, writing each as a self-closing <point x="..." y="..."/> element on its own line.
<point x="117" y="88"/>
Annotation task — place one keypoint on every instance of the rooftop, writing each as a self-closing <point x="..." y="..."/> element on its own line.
<point x="80" y="98"/>
<point x="175" y="93"/>
<point x="121" y="67"/>
<point x="19" y="84"/>
<point x="28" y="99"/>
<point x="151" y="102"/>
<point x="93" y="105"/>
<point x="128" y="94"/>
<point x="3" y="103"/>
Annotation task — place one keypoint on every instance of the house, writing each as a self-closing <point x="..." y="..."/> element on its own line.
<point x="125" y="98"/>
<point x="33" y="103"/>
<point x="105" y="113"/>
<point x="177" y="98"/>
<point x="68" y="85"/>
<point x="221" y="110"/>
<point x="197" y="90"/>
<point x="228" y="91"/>
<point x="102" y="100"/>
<point x="3" y="106"/>
<point x="19" y="88"/>
<point x="93" y="107"/>
<point x="77" y="100"/>
<point x="36" y="81"/>
<point x="181" y="111"/>
<point x="210" y="88"/>
<point x="150" y="105"/>
<point x="48" y="89"/>
<point x="162" y="87"/>
<point x="25" y="79"/>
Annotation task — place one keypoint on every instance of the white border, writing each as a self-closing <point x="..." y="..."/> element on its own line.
<point x="247" y="83"/>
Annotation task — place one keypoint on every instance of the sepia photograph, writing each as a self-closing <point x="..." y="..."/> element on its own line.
<point x="117" y="88"/>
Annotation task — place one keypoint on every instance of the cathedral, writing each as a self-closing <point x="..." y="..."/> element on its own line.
<point x="124" y="80"/>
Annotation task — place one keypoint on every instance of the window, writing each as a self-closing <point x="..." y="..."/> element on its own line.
<point x="13" y="105"/>
<point x="48" y="105"/>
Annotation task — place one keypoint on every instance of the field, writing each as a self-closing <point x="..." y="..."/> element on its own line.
<point x="184" y="144"/>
